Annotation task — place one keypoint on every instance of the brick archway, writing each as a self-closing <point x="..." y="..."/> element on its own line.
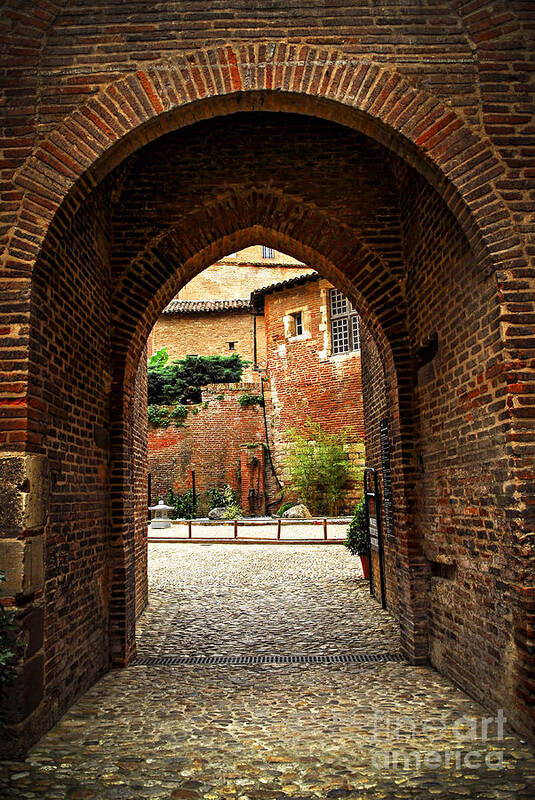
<point x="240" y="220"/>
<point x="458" y="163"/>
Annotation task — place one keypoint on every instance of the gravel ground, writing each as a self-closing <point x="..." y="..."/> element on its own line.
<point x="250" y="599"/>
<point x="385" y="731"/>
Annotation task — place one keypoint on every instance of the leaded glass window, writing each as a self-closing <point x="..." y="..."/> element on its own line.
<point x="344" y="324"/>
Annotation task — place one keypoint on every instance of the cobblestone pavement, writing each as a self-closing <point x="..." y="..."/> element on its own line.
<point x="271" y="732"/>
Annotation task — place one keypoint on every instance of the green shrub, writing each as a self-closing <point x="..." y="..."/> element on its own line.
<point x="233" y="511"/>
<point x="249" y="400"/>
<point x="185" y="507"/>
<point x="11" y="648"/>
<point x="173" y="386"/>
<point x="222" y="497"/>
<point x="180" y="381"/>
<point x="319" y="467"/>
<point x="356" y="540"/>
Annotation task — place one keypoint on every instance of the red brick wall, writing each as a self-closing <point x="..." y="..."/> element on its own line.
<point x="209" y="443"/>
<point x="71" y="378"/>
<point x="306" y="382"/>
<point x="463" y="498"/>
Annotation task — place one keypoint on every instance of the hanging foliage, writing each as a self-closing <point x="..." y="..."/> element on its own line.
<point x="173" y="386"/>
<point x="181" y="381"/>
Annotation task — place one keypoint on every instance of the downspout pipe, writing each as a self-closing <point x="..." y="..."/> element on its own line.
<point x="281" y="496"/>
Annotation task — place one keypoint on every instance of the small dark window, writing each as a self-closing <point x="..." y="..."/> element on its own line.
<point x="345" y="336"/>
<point x="231" y="345"/>
<point x="298" y="323"/>
<point x="441" y="570"/>
<point x="267" y="252"/>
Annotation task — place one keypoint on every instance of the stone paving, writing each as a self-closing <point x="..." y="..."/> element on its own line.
<point x="270" y="732"/>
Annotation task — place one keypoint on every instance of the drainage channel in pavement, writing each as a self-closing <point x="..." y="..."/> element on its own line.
<point x="171" y="660"/>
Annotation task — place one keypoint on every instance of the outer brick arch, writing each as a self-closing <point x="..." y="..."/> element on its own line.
<point x="374" y="100"/>
<point x="285" y="100"/>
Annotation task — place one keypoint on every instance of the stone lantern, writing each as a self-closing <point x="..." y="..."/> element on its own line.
<point x="160" y="515"/>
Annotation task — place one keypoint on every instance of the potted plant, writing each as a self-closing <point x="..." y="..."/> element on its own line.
<point x="356" y="540"/>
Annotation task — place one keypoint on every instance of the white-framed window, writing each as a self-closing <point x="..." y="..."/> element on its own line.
<point x="297" y="324"/>
<point x="345" y="337"/>
<point x="298" y="327"/>
<point x="267" y="252"/>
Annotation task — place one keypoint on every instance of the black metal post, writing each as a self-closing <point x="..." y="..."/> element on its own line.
<point x="193" y="490"/>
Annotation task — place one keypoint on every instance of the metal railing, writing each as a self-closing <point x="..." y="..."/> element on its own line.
<point x="199" y="530"/>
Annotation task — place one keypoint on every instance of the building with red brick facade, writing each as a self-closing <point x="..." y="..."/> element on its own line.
<point x="313" y="359"/>
<point x="301" y="339"/>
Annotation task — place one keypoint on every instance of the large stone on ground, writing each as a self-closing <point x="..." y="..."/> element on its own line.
<point x="300" y="511"/>
<point x="219" y="512"/>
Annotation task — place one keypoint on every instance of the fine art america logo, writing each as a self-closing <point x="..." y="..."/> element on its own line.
<point x="408" y="742"/>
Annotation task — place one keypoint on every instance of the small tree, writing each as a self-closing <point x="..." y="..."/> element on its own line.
<point x="319" y="467"/>
<point x="184" y="504"/>
<point x="303" y="469"/>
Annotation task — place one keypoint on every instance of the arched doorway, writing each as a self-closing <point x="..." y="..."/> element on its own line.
<point x="343" y="196"/>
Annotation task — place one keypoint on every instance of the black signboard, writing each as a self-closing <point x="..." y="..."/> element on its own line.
<point x="388" y="498"/>
<point x="372" y="522"/>
<point x="373" y="515"/>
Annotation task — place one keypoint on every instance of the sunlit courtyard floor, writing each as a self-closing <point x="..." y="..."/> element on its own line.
<point x="297" y="730"/>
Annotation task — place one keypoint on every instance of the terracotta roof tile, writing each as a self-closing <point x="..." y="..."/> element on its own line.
<point x="204" y="306"/>
<point x="257" y="297"/>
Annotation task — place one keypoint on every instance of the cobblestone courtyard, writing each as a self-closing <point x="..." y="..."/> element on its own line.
<point x="270" y="730"/>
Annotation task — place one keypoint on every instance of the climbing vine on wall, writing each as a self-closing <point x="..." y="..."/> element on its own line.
<point x="249" y="400"/>
<point x="162" y="416"/>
